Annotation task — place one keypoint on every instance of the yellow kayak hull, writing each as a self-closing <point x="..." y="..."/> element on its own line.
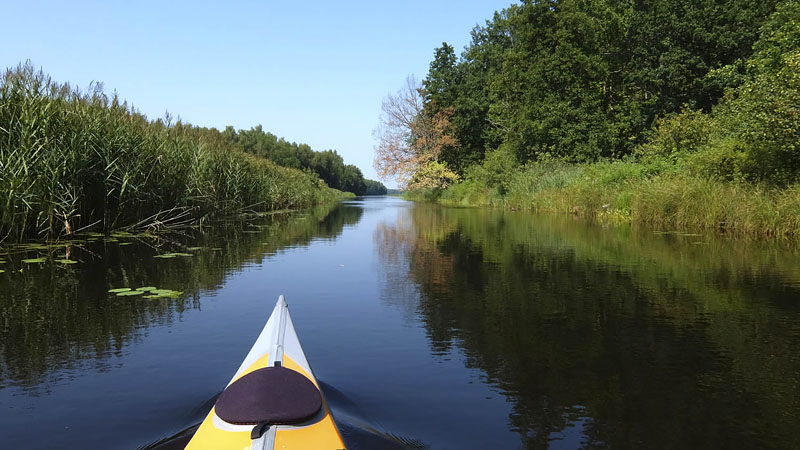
<point x="319" y="433"/>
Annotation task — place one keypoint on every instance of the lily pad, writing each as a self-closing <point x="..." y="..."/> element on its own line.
<point x="1" y="270"/>
<point x="164" y="293"/>
<point x="66" y="261"/>
<point x="172" y="255"/>
<point x="129" y="293"/>
<point x="33" y="260"/>
<point x="146" y="288"/>
<point x="117" y="290"/>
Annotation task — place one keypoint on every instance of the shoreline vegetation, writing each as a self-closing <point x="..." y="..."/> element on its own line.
<point x="672" y="114"/>
<point x="631" y="192"/>
<point x="73" y="160"/>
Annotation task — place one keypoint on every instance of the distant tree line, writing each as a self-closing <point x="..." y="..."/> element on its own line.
<point x="328" y="164"/>
<point x="375" y="188"/>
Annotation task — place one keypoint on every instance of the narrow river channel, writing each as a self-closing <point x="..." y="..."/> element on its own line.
<point x="429" y="327"/>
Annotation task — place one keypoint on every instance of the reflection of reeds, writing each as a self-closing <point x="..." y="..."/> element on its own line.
<point x="54" y="316"/>
<point x="70" y="158"/>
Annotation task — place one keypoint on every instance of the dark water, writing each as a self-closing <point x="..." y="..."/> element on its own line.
<point x="428" y="327"/>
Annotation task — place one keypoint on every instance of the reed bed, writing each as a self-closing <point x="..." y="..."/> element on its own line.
<point x="71" y="159"/>
<point x="661" y="195"/>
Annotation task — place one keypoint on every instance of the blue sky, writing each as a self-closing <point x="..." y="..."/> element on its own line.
<point x="312" y="71"/>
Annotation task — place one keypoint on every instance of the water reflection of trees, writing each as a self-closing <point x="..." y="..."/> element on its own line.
<point x="55" y="317"/>
<point x="652" y="341"/>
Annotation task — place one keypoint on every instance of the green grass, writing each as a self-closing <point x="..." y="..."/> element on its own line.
<point x="658" y="193"/>
<point x="71" y="159"/>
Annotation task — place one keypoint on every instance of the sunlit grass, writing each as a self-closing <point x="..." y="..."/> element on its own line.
<point x="657" y="194"/>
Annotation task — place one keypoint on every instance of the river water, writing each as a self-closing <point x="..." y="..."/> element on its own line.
<point x="429" y="327"/>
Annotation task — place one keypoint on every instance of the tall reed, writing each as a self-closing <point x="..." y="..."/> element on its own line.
<point x="72" y="158"/>
<point x="658" y="193"/>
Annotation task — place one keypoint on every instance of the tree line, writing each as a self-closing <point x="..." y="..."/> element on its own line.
<point x="712" y="87"/>
<point x="327" y="165"/>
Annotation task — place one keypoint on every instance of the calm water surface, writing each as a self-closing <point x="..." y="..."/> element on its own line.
<point x="429" y="327"/>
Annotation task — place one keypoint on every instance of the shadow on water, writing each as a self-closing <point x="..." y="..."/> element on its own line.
<point x="610" y="337"/>
<point x="56" y="318"/>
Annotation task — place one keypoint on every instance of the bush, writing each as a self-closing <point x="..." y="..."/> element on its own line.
<point x="678" y="135"/>
<point x="723" y="160"/>
<point x="433" y="175"/>
<point x="760" y="126"/>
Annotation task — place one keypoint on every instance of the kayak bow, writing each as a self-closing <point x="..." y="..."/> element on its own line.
<point x="273" y="401"/>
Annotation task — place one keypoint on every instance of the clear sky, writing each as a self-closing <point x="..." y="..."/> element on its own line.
<point x="311" y="71"/>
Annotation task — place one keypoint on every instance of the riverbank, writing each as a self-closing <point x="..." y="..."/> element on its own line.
<point x="72" y="160"/>
<point x="658" y="193"/>
<point x="703" y="139"/>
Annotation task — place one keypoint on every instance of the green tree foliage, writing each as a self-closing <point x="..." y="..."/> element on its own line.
<point x="375" y="188"/>
<point x="757" y="126"/>
<point x="678" y="135"/>
<point x="585" y="79"/>
<point x="676" y="47"/>
<point x="328" y="165"/>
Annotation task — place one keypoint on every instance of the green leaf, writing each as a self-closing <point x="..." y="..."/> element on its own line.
<point x="129" y="293"/>
<point x="172" y="255"/>
<point x="33" y="260"/>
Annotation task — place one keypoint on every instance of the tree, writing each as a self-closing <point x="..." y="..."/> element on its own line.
<point x="375" y="188"/>
<point x="353" y="180"/>
<point x="328" y="165"/>
<point x="758" y="124"/>
<point x="409" y="137"/>
<point x="585" y="79"/>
